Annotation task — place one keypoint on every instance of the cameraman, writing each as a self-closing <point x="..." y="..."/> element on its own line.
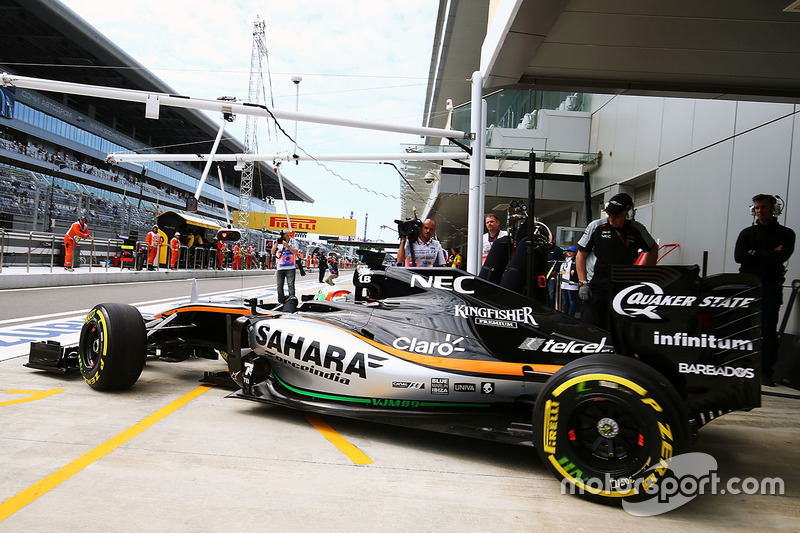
<point x="426" y="250"/>
<point x="285" y="254"/>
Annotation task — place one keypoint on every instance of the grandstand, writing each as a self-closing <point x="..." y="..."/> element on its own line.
<point x="53" y="147"/>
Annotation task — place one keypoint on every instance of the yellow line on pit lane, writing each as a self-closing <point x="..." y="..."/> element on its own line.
<point x="20" y="500"/>
<point x="34" y="395"/>
<point x="337" y="440"/>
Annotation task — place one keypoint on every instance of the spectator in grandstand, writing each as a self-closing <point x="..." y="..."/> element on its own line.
<point x="79" y="230"/>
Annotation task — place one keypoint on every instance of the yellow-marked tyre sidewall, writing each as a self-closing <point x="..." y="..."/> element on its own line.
<point x="112" y="347"/>
<point x="622" y="397"/>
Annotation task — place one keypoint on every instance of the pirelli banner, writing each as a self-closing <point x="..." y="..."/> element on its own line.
<point x="344" y="227"/>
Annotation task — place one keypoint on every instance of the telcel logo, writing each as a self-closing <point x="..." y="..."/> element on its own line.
<point x="447" y="283"/>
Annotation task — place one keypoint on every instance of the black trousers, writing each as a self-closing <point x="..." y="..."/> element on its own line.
<point x="771" y="300"/>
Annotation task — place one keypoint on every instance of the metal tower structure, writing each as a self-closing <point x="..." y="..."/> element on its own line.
<point x="256" y="89"/>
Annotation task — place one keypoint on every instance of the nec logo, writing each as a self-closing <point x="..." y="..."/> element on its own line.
<point x="447" y="283"/>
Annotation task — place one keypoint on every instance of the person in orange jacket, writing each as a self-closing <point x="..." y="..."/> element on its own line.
<point x="237" y="257"/>
<point x="251" y="252"/>
<point x="79" y="230"/>
<point x="153" y="240"/>
<point x="221" y="249"/>
<point x="175" y="250"/>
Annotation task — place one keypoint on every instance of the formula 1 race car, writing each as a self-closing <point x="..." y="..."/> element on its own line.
<point x="439" y="349"/>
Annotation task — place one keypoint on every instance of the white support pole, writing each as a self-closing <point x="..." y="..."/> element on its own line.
<point x="224" y="199"/>
<point x="208" y="164"/>
<point x="220" y="106"/>
<point x="482" y="187"/>
<point x="296" y="80"/>
<point x="475" y="233"/>
<point x="421" y="156"/>
<point x="283" y="196"/>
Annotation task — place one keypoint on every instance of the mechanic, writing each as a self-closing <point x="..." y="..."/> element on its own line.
<point x="323" y="264"/>
<point x="762" y="249"/>
<point x="493" y="232"/>
<point x="175" y="250"/>
<point x="614" y="240"/>
<point x="569" y="283"/>
<point x="286" y="254"/>
<point x="427" y="250"/>
<point x="555" y="254"/>
<point x="153" y="240"/>
<point x="77" y="231"/>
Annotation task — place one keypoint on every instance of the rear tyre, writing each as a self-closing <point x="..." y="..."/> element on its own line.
<point x="113" y="347"/>
<point x="602" y="423"/>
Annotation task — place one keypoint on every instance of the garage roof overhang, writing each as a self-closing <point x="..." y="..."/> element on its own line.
<point x="740" y="50"/>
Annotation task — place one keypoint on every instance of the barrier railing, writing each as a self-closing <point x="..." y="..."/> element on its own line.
<point x="35" y="244"/>
<point x="43" y="249"/>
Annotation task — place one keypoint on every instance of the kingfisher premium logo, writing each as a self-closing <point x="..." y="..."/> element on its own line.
<point x="506" y="318"/>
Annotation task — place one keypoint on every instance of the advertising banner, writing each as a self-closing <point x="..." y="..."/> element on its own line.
<point x="344" y="227"/>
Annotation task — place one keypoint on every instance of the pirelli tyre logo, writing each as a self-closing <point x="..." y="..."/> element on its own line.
<point x="645" y="299"/>
<point x="550" y="426"/>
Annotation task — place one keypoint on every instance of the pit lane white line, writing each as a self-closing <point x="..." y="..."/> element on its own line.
<point x="15" y="339"/>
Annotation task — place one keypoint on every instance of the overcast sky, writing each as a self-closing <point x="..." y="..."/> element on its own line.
<point x="362" y="59"/>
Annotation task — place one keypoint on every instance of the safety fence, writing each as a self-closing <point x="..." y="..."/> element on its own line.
<point x="39" y="249"/>
<point x="34" y="248"/>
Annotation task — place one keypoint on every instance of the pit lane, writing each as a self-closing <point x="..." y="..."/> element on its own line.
<point x="214" y="463"/>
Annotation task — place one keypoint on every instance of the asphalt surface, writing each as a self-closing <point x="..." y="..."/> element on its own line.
<point x="173" y="455"/>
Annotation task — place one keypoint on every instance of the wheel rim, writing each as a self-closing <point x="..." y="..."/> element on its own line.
<point x="606" y="435"/>
<point x="93" y="343"/>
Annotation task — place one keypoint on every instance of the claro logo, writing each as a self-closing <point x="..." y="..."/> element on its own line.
<point x="459" y="284"/>
<point x="644" y="299"/>
<point x="413" y="344"/>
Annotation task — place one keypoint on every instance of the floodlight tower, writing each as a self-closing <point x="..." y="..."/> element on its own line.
<point x="259" y="51"/>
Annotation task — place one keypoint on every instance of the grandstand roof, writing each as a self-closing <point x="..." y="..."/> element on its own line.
<point x="45" y="39"/>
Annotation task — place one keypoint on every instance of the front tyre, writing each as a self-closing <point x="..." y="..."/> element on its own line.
<point x="604" y="424"/>
<point x="112" y="347"/>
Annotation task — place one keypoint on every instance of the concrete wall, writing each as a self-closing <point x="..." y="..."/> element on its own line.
<point x="710" y="157"/>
